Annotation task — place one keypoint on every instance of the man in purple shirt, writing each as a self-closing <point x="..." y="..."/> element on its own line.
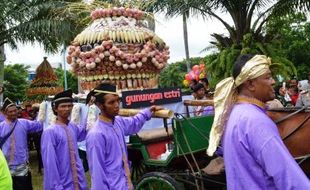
<point x="63" y="168"/>
<point x="254" y="154"/>
<point x="2" y="117"/>
<point x="15" y="148"/>
<point x="105" y="144"/>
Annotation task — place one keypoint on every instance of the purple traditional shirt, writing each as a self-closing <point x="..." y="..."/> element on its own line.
<point x="22" y="128"/>
<point x="56" y="157"/>
<point x="105" y="146"/>
<point x="255" y="155"/>
<point x="2" y="117"/>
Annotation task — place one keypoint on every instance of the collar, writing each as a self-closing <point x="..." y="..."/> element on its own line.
<point x="10" y="121"/>
<point x="254" y="101"/>
<point x="103" y="120"/>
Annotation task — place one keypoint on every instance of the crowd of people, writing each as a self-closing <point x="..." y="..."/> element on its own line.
<point x="63" y="168"/>
<point x="253" y="151"/>
<point x="294" y="93"/>
<point x="14" y="134"/>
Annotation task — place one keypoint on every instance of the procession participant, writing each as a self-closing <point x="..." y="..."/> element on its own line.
<point x="280" y="95"/>
<point x="5" y="176"/>
<point x="255" y="156"/>
<point x="89" y="117"/>
<point x="294" y="93"/>
<point x="15" y="147"/>
<point x="105" y="143"/>
<point x="293" y="82"/>
<point x="63" y="168"/>
<point x="304" y="96"/>
<point x="37" y="137"/>
<point x="2" y="117"/>
<point x="205" y="83"/>
<point x="200" y="94"/>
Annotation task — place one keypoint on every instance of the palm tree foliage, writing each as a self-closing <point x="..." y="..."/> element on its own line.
<point x="78" y="12"/>
<point x="172" y="8"/>
<point x="221" y="65"/>
<point x="32" y="21"/>
<point x="47" y="22"/>
<point x="35" y="21"/>
<point x="242" y="12"/>
<point x="245" y="34"/>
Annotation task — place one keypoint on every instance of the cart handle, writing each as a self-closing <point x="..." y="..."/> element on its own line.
<point x="198" y="102"/>
<point x="165" y="113"/>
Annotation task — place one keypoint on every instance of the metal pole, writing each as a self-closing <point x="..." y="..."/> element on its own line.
<point x="65" y="70"/>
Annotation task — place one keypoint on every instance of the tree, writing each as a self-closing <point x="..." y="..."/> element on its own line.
<point x="245" y="33"/>
<point x="34" y="21"/>
<point x="15" y="82"/>
<point x="243" y="14"/>
<point x="293" y="38"/>
<point x="71" y="79"/>
<point x="171" y="8"/>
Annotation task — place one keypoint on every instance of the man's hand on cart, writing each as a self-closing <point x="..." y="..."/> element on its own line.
<point x="155" y="108"/>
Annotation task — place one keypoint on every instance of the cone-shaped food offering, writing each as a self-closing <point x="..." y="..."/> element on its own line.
<point x="117" y="47"/>
<point x="45" y="81"/>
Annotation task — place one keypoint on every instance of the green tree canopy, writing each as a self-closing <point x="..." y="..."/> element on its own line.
<point x="16" y="82"/>
<point x="72" y="80"/>
<point x="292" y="36"/>
<point x="245" y="33"/>
<point x="35" y="21"/>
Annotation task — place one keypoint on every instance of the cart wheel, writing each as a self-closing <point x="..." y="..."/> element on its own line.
<point x="156" y="181"/>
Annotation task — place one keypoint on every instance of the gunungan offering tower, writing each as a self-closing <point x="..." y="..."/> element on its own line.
<point x="118" y="47"/>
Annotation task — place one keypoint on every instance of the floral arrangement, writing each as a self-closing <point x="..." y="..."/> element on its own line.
<point x="118" y="48"/>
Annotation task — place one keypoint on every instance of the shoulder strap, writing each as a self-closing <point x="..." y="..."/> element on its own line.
<point x="5" y="137"/>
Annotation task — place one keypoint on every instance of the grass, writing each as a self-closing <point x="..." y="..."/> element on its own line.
<point x="37" y="179"/>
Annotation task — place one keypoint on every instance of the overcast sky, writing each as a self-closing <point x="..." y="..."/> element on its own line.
<point x="170" y="30"/>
